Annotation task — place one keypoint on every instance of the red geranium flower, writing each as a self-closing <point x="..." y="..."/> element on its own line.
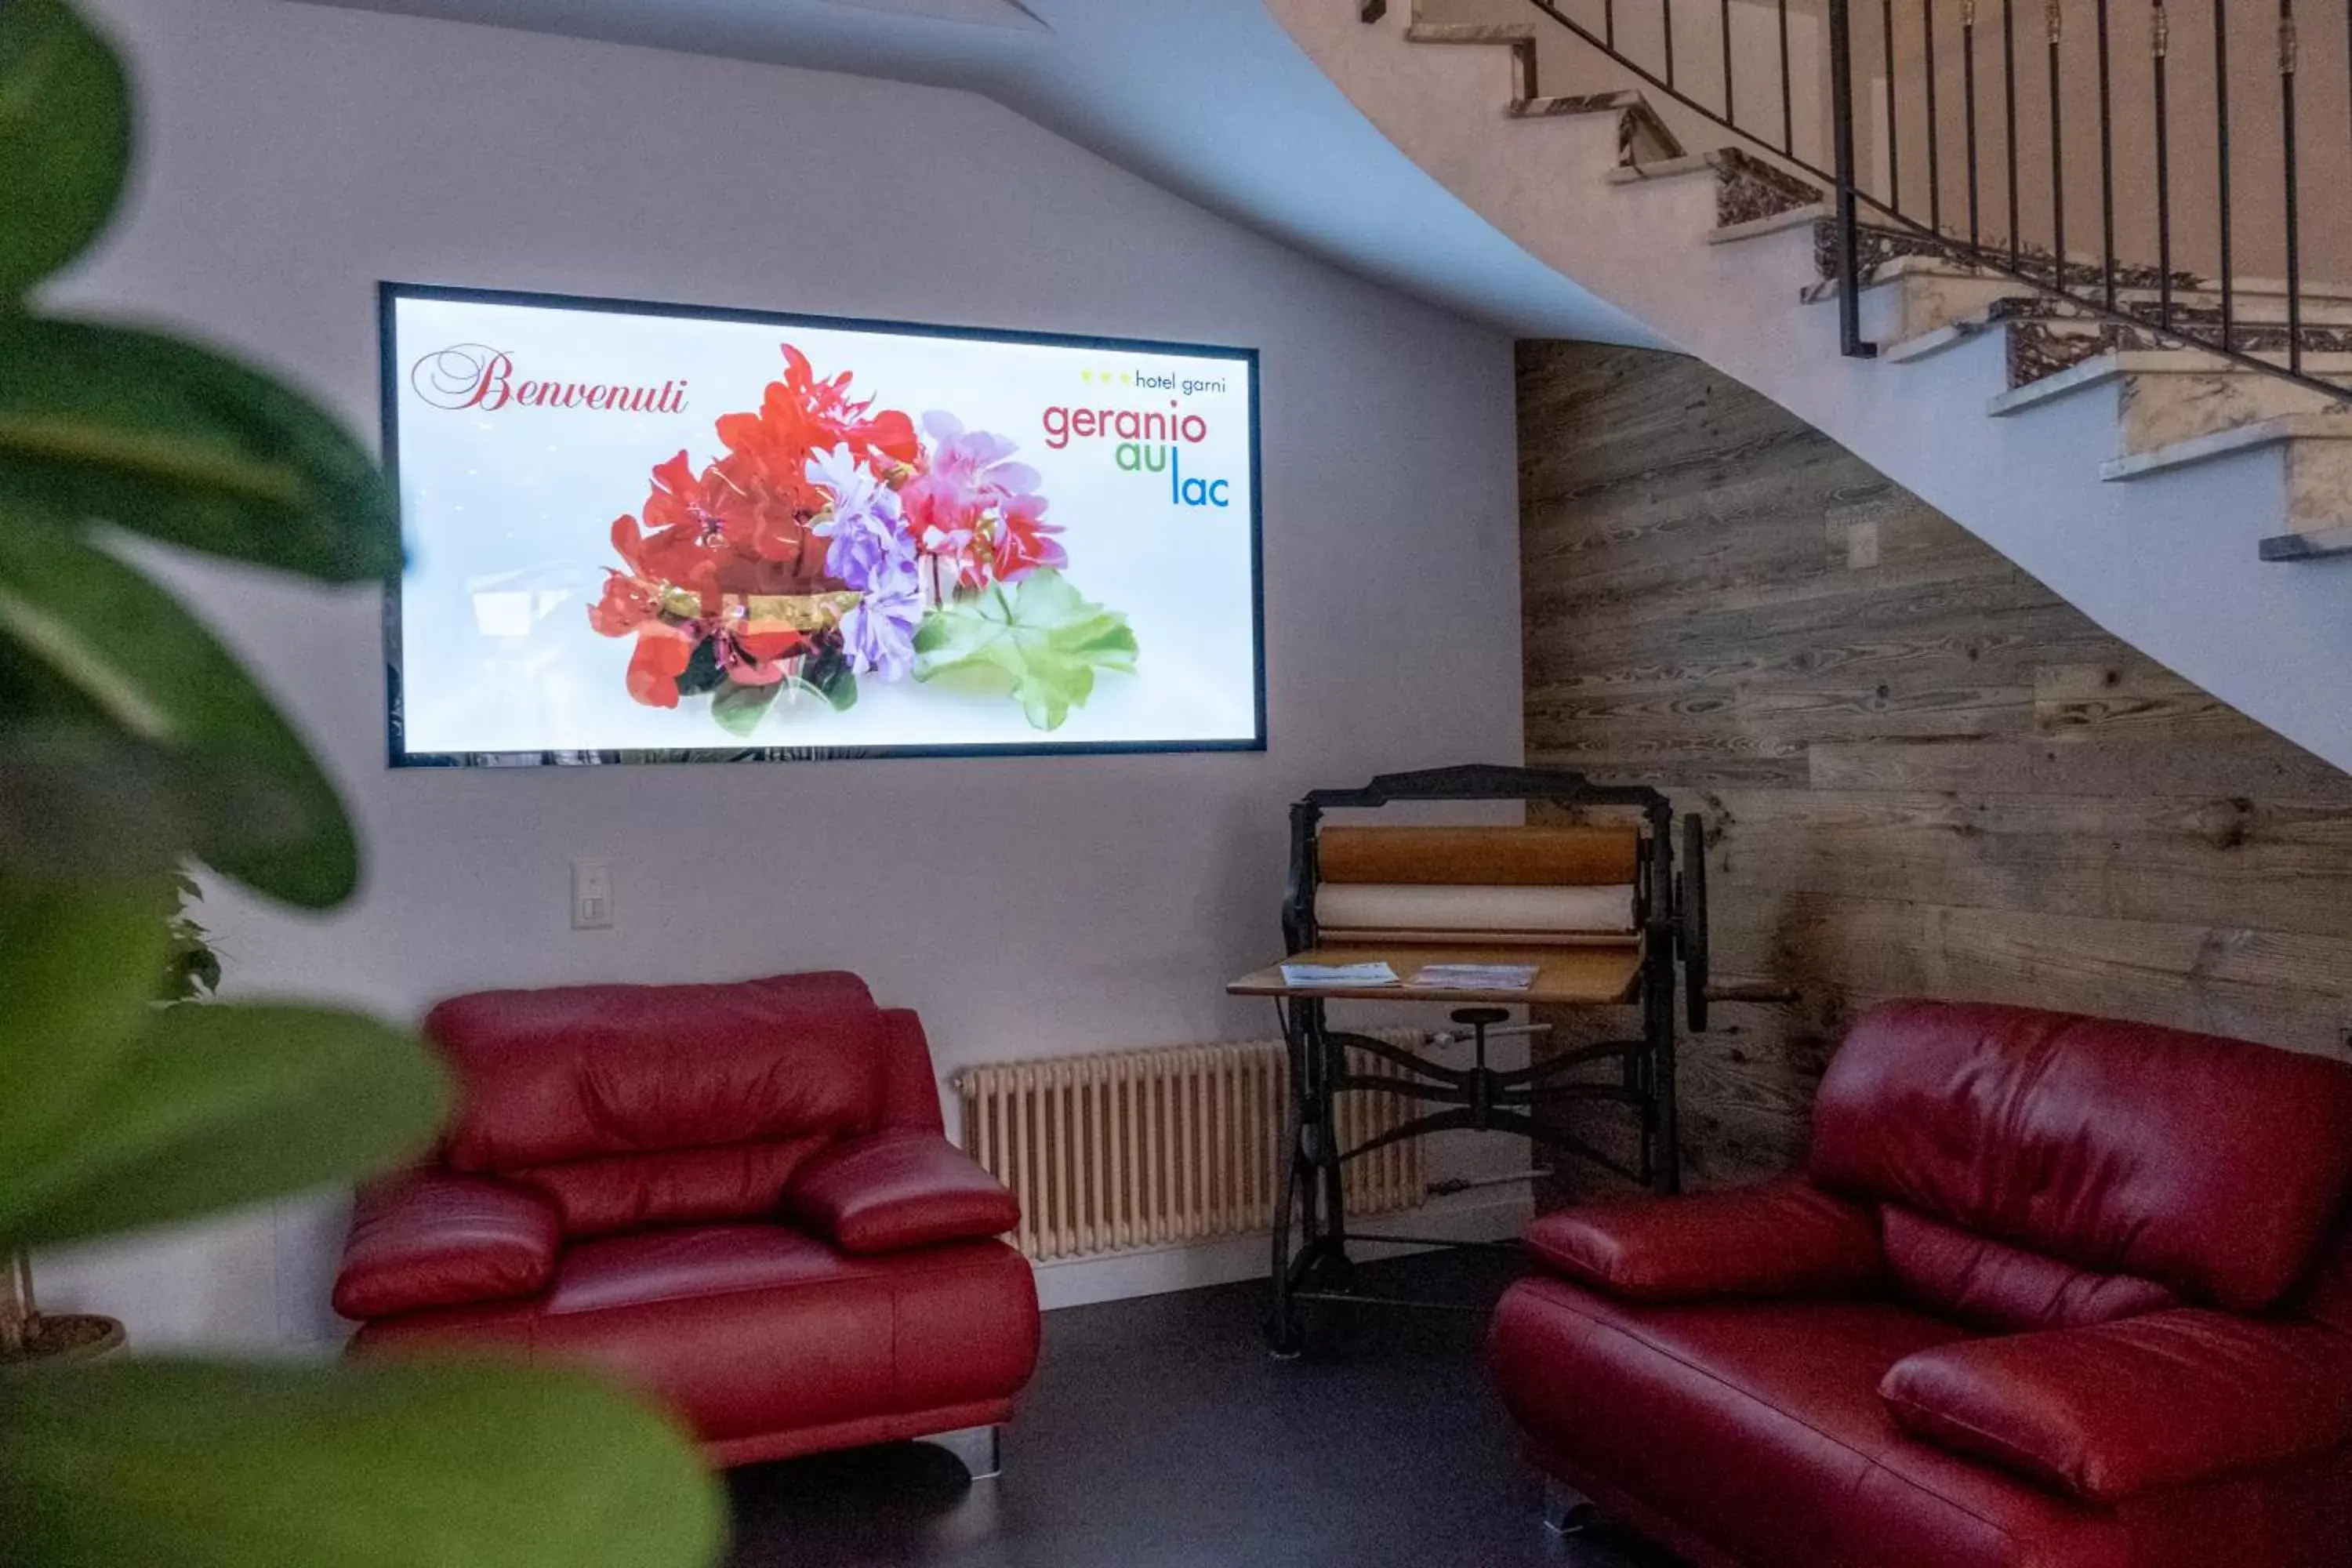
<point x="1023" y="539"/>
<point x="739" y="529"/>
<point x="663" y="653"/>
<point x="765" y="472"/>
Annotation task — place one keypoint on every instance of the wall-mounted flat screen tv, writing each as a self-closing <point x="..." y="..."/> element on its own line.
<point x="647" y="532"/>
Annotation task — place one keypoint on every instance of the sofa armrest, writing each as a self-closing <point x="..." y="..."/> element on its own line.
<point x="2136" y="1406"/>
<point x="1781" y="1238"/>
<point x="435" y="1238"/>
<point x="896" y="1189"/>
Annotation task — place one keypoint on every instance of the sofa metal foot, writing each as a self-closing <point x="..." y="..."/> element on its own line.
<point x="1566" y="1511"/>
<point x="979" y="1449"/>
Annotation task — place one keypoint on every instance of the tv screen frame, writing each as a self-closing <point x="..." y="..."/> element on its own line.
<point x="390" y="293"/>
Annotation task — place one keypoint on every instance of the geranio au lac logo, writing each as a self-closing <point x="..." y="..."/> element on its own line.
<point x="1148" y="440"/>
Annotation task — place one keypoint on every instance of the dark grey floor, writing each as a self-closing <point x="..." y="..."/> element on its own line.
<point x="1160" y="1435"/>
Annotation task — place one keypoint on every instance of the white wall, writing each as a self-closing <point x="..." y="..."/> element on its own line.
<point x="295" y="155"/>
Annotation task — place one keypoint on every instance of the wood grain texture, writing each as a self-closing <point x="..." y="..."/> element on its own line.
<point x="1921" y="772"/>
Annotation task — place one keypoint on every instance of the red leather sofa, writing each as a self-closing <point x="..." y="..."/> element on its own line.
<point x="736" y="1198"/>
<point x="2055" y="1292"/>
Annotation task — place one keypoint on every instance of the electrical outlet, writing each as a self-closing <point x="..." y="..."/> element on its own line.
<point x="591" y="895"/>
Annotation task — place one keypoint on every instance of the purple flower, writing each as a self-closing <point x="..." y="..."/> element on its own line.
<point x="870" y="544"/>
<point x="878" y="633"/>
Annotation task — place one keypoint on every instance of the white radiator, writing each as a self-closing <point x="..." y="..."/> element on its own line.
<point x="1133" y="1149"/>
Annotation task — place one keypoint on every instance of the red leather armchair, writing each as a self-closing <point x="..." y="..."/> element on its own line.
<point x="736" y="1198"/>
<point x="2053" y="1292"/>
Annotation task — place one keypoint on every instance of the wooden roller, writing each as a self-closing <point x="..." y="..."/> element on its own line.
<point x="1491" y="856"/>
<point x="1456" y="912"/>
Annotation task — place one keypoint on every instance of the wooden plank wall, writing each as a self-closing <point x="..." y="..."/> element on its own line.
<point x="1921" y="772"/>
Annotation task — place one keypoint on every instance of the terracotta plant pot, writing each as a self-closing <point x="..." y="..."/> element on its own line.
<point x="59" y="1338"/>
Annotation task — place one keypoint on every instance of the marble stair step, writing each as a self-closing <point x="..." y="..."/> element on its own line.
<point x="2330" y="433"/>
<point x="2167" y="397"/>
<point x="1919" y="314"/>
<point x="1519" y="37"/>
<point x="2187" y="290"/>
<point x="1747" y="189"/>
<point x="2046" y="336"/>
<point x="2314" y="452"/>
<point x="1921" y="306"/>
<point x="1640" y="133"/>
<point x="1890" y="252"/>
<point x="1778" y="223"/>
<point x="2314" y="544"/>
<point x="1642" y="138"/>
<point x="1919" y="303"/>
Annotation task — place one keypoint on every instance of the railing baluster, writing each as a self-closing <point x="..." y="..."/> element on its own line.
<point x="2049" y="270"/>
<point x="1894" y="118"/>
<point x="2057" y="149"/>
<point x="1969" y="66"/>
<point x="1934" y="124"/>
<point x="2160" y="42"/>
<point x="1729" y="111"/>
<point x="2008" y="108"/>
<point x="1789" y="89"/>
<point x="2106" y="165"/>
<point x="2222" y="162"/>
<point x="1849" y="225"/>
<point x="2288" y="61"/>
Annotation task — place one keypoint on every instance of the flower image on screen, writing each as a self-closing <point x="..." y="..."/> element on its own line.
<point x="648" y="532"/>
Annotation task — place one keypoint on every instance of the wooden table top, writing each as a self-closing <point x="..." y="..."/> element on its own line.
<point x="1569" y="976"/>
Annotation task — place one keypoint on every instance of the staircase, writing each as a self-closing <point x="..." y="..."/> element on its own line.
<point x="2178" y="496"/>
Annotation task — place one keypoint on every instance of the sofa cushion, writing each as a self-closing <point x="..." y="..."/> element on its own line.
<point x="2327" y="1296"/>
<point x="2000" y="1289"/>
<point x="433" y="1239"/>
<point x="1751" y="1435"/>
<point x="579" y="1072"/>
<point x="889" y="1191"/>
<point x="747" y="1330"/>
<point x="630" y="1192"/>
<point x="1757" y="1428"/>
<point x="2212" y="1166"/>
<point x="1779" y="1238"/>
<point x="2109" y="1411"/>
<point x="910" y="1087"/>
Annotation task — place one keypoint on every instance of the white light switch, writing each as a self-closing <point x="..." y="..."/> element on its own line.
<point x="591" y="895"/>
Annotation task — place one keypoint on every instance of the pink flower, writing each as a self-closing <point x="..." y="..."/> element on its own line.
<point x="973" y="508"/>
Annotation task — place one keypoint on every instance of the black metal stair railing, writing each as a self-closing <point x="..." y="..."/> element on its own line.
<point x="2179" y="141"/>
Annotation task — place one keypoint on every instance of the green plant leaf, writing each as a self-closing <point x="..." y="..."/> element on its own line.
<point x="830" y="675"/>
<point x="1044" y="636"/>
<point x="738" y="708"/>
<point x="369" y="1465"/>
<point x="192" y="969"/>
<point x="168" y="439"/>
<point x="65" y="139"/>
<point x="212" y="1106"/>
<point x="121" y="656"/>
<point x="78" y="963"/>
